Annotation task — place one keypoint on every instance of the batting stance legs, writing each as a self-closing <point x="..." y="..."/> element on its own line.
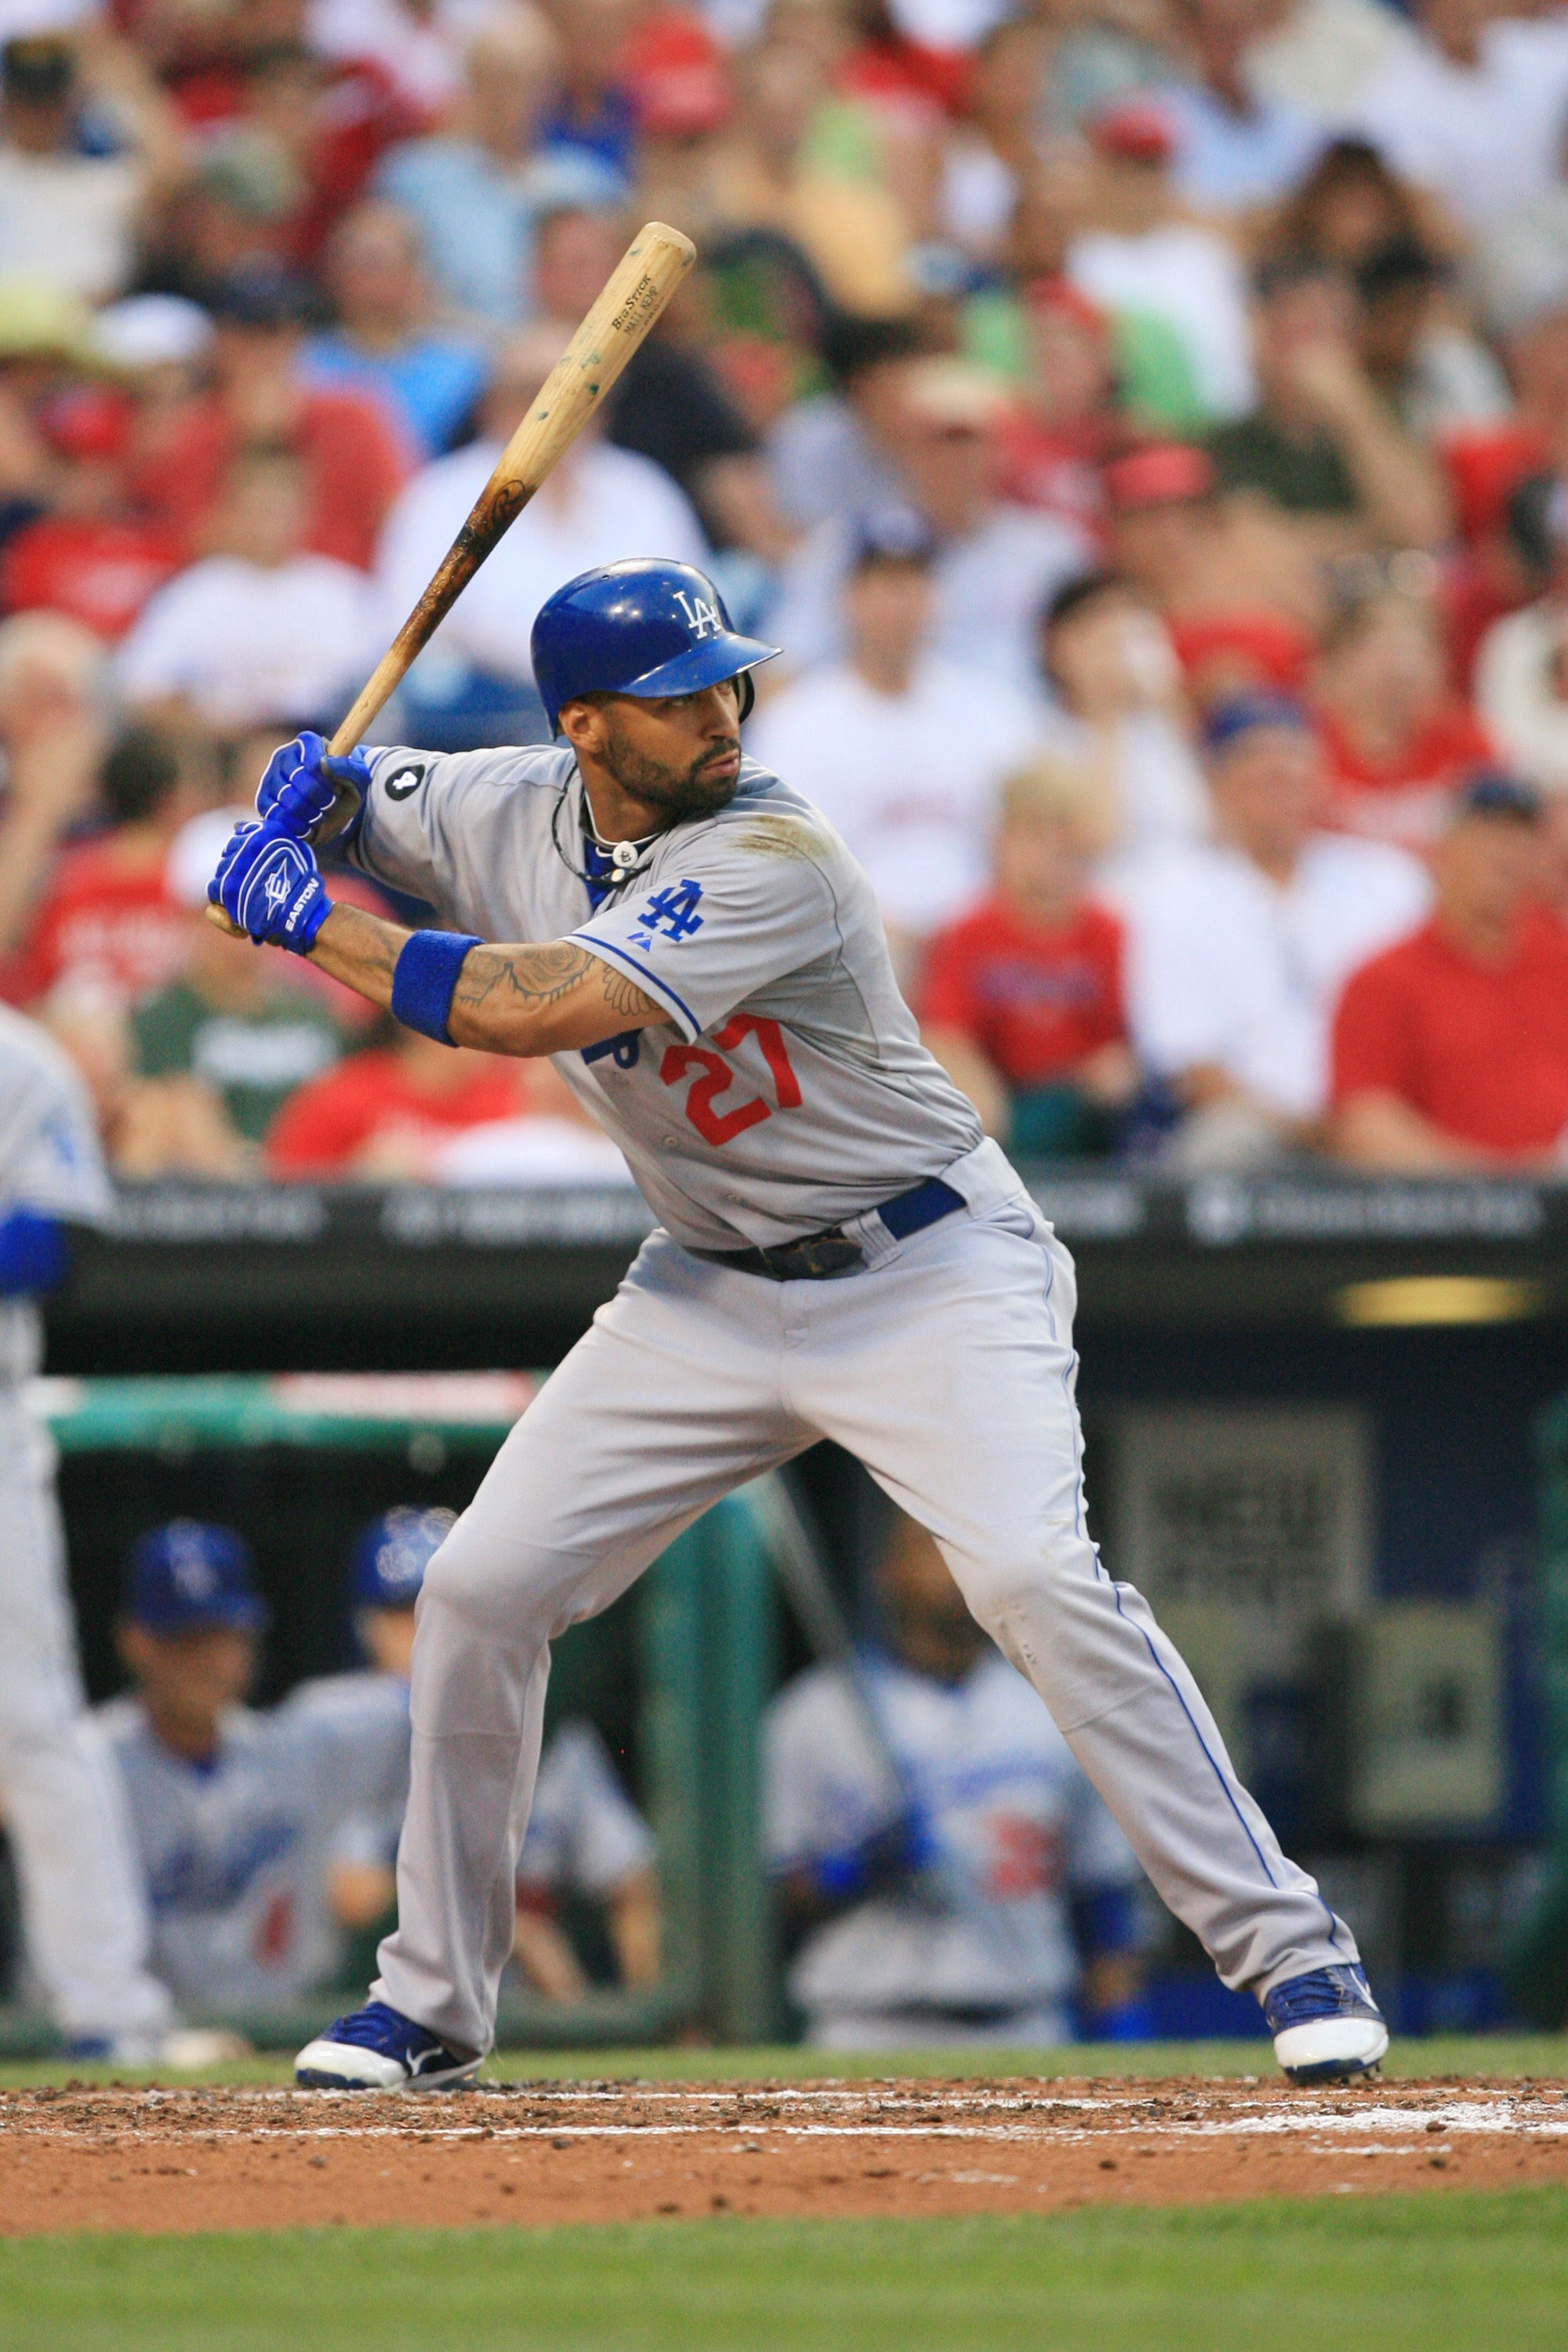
<point x="947" y="1367"/>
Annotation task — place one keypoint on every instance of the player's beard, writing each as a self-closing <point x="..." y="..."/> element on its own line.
<point x="677" y="793"/>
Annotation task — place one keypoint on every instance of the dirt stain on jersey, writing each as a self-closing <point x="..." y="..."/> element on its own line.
<point x="781" y="836"/>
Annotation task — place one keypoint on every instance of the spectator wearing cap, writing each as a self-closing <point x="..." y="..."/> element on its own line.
<point x="1022" y="1000"/>
<point x="1051" y="447"/>
<point x="386" y="341"/>
<point x="1239" y="948"/>
<point x="1196" y="558"/>
<point x="1142" y="258"/>
<point x="1235" y="147"/>
<point x="226" y="1029"/>
<point x="473" y="188"/>
<point x="669" y="405"/>
<point x="235" y="1811"/>
<point x="1107" y="661"/>
<point x="1450" y="1050"/>
<point x="1436" y="378"/>
<point x="1521" y="673"/>
<point x="354" y="457"/>
<point x="262" y="629"/>
<point x="904" y="752"/>
<point x="996" y="565"/>
<point x="584" y="1837"/>
<point x="1321" y="446"/>
<point x="597" y="505"/>
<point x="86" y="553"/>
<point x="69" y="215"/>
<point x="1398" y="742"/>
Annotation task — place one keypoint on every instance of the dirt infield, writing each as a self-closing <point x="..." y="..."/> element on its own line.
<point x="163" y="2160"/>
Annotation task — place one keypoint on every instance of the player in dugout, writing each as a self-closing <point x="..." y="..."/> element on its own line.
<point x="586" y="1842"/>
<point x="947" y="1869"/>
<point x="235" y="1809"/>
<point x="840" y="1253"/>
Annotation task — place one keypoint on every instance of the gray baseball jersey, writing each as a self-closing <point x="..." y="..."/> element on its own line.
<point x="236" y="1852"/>
<point x="49" y="1162"/>
<point x="1000" y="1787"/>
<point x="787" y="1090"/>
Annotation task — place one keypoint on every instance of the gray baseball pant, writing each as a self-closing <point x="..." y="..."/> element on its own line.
<point x="947" y="1368"/>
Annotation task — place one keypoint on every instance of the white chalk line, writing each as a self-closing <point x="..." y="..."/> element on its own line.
<point x="1408" y="2126"/>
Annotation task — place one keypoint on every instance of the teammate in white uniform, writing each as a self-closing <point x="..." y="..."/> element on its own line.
<point x="930" y="1831"/>
<point x="82" y="1902"/>
<point x="235" y="1810"/>
<point x="841" y="1254"/>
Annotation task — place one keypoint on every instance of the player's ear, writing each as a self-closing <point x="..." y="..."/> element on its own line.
<point x="133" y="1645"/>
<point x="582" y="722"/>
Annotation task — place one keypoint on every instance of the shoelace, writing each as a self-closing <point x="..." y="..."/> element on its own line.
<point x="1325" y="1992"/>
<point x="376" y="2027"/>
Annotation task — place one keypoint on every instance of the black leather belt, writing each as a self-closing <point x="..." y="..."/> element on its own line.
<point x="819" y="1256"/>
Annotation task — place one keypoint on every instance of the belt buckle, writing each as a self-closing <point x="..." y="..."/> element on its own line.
<point x="822" y="1254"/>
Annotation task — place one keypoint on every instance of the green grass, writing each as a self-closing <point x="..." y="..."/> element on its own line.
<point x="1400" y="2274"/>
<point x="1466" y="2055"/>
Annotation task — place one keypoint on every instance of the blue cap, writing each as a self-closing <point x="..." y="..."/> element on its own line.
<point x="647" y="627"/>
<point x="1245" y="714"/>
<point x="387" y="1564"/>
<point x="189" y="1575"/>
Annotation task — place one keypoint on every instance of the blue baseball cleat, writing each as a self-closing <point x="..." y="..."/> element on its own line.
<point x="379" y="2049"/>
<point x="1326" y="2025"/>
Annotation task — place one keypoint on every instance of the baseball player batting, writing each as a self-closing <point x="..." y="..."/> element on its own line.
<point x="840" y="1253"/>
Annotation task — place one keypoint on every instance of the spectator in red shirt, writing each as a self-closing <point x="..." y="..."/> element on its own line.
<point x="86" y="555"/>
<point x="382" y="1114"/>
<point x="1051" y="447"/>
<point x="354" y="457"/>
<point x="106" y="915"/>
<point x="1023" y="998"/>
<point x="1398" y="741"/>
<point x="1451" y="1049"/>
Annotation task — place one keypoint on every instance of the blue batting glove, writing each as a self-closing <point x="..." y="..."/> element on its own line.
<point x="270" y="886"/>
<point x="298" y="786"/>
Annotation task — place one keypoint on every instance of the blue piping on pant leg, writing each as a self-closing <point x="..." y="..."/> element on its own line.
<point x="1100" y="1573"/>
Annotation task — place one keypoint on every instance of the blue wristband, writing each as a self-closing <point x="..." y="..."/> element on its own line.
<point x="33" y="1255"/>
<point x="425" y="978"/>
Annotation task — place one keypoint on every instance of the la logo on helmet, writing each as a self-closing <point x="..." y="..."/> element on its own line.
<point x="702" y="618"/>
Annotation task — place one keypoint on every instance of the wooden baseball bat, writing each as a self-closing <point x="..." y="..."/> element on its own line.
<point x="634" y="294"/>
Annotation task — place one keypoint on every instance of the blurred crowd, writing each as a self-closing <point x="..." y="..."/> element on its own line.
<point x="1143" y="425"/>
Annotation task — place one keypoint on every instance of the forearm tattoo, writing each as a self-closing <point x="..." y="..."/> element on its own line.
<point x="527" y="980"/>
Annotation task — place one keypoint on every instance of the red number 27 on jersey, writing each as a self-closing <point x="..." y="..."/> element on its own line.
<point x="722" y="1126"/>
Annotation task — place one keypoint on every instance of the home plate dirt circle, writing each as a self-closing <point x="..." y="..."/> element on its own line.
<point x="160" y="2160"/>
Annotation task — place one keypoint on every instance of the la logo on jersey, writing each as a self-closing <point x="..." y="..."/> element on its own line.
<point x="672" y="914"/>
<point x="701" y="617"/>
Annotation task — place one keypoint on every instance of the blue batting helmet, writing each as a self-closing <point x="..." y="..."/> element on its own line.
<point x="387" y="1564"/>
<point x="645" y="627"/>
